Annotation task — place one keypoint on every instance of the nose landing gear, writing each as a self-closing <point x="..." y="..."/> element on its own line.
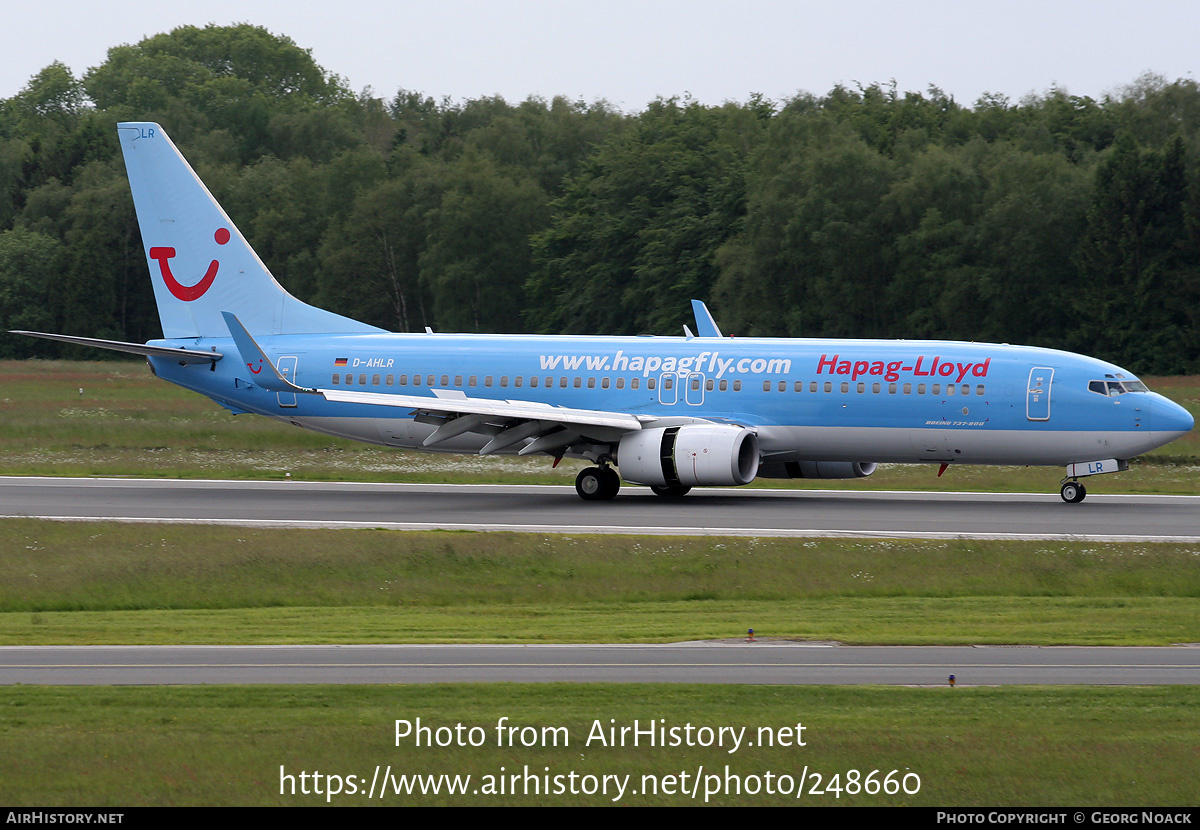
<point x="1073" y="492"/>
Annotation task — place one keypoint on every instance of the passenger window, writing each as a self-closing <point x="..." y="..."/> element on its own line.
<point x="604" y="383"/>
<point x="937" y="389"/>
<point x="950" y="389"/>
<point x="979" y="390"/>
<point x="875" y="388"/>
<point x="374" y="380"/>
<point x="862" y="387"/>
<point x="337" y="379"/>
<point x="908" y="389"/>
<point x="517" y="381"/>
<point x="966" y="390"/>
<point x="533" y="382"/>
<point x="737" y="386"/>
<point x="783" y="386"/>
<point x="416" y="380"/>
<point x="562" y="383"/>
<point x="649" y="383"/>
<point x="766" y="386"/>
<point x="920" y="389"/>
<point x="458" y="380"/>
<point x="620" y="383"/>
<point x="668" y="383"/>
<point x="362" y="380"/>
<point x="845" y="387"/>
<point x="504" y="381"/>
<point x="724" y="386"/>
<point x="429" y="381"/>
<point x="696" y="384"/>
<point x="591" y="383"/>
<point x="390" y="380"/>
<point x="798" y="386"/>
<point x="812" y="387"/>
<point x="891" y="389"/>
<point x="404" y="380"/>
<point x="633" y="384"/>
<point x="708" y="385"/>
<point x="349" y="380"/>
<point x="828" y="386"/>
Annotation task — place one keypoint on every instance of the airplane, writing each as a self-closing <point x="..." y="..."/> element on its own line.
<point x="672" y="413"/>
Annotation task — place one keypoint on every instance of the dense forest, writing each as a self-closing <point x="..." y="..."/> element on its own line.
<point x="1055" y="220"/>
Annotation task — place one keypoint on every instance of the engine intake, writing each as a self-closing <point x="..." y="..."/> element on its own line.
<point x="690" y="455"/>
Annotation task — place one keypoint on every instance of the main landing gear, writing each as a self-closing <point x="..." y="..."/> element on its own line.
<point x="671" y="491"/>
<point x="1073" y="492"/>
<point x="597" y="483"/>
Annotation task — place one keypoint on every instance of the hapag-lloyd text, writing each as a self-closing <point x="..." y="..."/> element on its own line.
<point x="923" y="367"/>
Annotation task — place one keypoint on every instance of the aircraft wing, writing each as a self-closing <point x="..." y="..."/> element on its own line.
<point x="509" y="422"/>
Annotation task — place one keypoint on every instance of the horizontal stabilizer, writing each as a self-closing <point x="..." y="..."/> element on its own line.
<point x="182" y="355"/>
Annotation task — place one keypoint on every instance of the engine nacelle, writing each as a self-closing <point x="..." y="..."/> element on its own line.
<point x="816" y="469"/>
<point x="689" y="455"/>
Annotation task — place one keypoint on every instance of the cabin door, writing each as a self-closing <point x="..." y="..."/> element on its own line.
<point x="287" y="368"/>
<point x="1037" y="396"/>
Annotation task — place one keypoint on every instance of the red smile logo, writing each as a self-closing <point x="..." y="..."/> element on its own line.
<point x="188" y="293"/>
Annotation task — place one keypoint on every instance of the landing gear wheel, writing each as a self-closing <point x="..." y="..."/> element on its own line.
<point x="596" y="484"/>
<point x="612" y="482"/>
<point x="1073" y="492"/>
<point x="671" y="491"/>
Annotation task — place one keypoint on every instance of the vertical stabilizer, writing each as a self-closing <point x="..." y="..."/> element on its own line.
<point x="200" y="264"/>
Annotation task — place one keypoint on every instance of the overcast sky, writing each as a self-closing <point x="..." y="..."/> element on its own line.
<point x="630" y="52"/>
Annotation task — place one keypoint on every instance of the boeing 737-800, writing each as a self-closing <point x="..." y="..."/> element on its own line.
<point x="668" y="412"/>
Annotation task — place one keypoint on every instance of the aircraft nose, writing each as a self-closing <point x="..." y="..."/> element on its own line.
<point x="1169" y="416"/>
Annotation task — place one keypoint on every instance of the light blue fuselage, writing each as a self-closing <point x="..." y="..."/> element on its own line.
<point x="808" y="399"/>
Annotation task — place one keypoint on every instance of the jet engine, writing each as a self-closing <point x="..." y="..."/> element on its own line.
<point x="816" y="469"/>
<point x="690" y="455"/>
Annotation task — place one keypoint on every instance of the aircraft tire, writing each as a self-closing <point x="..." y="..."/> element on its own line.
<point x="671" y="491"/>
<point x="594" y="484"/>
<point x="1073" y="492"/>
<point x="612" y="482"/>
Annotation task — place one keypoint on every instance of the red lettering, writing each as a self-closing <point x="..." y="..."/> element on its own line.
<point x="981" y="369"/>
<point x="860" y="368"/>
<point x="824" y="361"/>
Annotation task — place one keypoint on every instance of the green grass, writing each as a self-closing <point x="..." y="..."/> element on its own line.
<point x="126" y="422"/>
<point x="76" y="582"/>
<point x="973" y="747"/>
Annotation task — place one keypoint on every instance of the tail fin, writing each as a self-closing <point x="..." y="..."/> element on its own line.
<point x="200" y="264"/>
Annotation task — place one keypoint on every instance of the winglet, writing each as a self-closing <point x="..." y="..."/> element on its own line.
<point x="706" y="326"/>
<point x="266" y="375"/>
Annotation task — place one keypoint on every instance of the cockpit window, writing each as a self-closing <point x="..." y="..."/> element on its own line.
<point x="1112" y="388"/>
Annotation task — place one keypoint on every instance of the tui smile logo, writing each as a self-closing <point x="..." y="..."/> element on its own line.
<point x="188" y="293"/>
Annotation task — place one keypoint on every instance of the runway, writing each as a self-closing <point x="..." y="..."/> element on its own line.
<point x="716" y="511"/>
<point x="738" y="662"/>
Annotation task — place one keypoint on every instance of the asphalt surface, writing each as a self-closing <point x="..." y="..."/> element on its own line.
<point x="558" y="509"/>
<point x="723" y="662"/>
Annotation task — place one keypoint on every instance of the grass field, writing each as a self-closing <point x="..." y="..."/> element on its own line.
<point x="977" y="747"/>
<point x="125" y="422"/>
<point x="112" y="583"/>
